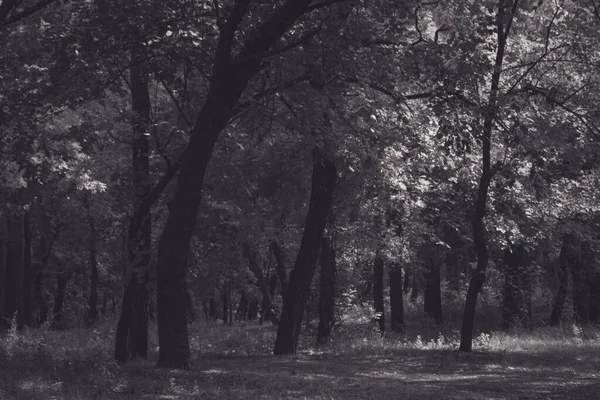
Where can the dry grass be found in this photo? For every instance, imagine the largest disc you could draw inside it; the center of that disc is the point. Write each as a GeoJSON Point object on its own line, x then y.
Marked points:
{"type": "Point", "coordinates": [235, 363]}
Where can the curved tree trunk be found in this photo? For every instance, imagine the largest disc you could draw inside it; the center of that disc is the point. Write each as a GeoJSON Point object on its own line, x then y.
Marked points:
{"type": "Point", "coordinates": [503, 24]}
{"type": "Point", "coordinates": [396, 300]}
{"type": "Point", "coordinates": [229, 77]}
{"type": "Point", "coordinates": [326, 290]}
{"type": "Point", "coordinates": [321, 198]}
{"type": "Point", "coordinates": [378, 303]}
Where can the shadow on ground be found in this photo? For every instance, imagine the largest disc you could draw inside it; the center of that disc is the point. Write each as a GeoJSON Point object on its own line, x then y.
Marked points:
{"type": "Point", "coordinates": [404, 374]}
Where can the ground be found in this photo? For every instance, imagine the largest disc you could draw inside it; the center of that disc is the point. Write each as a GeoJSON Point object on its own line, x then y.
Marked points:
{"type": "Point", "coordinates": [234, 363]}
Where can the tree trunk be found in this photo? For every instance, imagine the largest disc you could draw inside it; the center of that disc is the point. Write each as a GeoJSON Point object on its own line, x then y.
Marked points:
{"type": "Point", "coordinates": [378, 303]}
{"type": "Point", "coordinates": [406, 284]}
{"type": "Point", "coordinates": [28, 275]}
{"type": "Point", "coordinates": [396, 300]}
{"type": "Point", "coordinates": [263, 284]}
{"type": "Point", "coordinates": [326, 290]}
{"type": "Point", "coordinates": [432, 296]}
{"type": "Point", "coordinates": [3, 266]}
{"type": "Point", "coordinates": [503, 25]}
{"type": "Point", "coordinates": [321, 198]}
{"type": "Point", "coordinates": [15, 269]}
{"type": "Point", "coordinates": [595, 298]}
{"type": "Point", "coordinates": [212, 307]}
{"type": "Point", "coordinates": [581, 285]}
{"type": "Point", "coordinates": [568, 254]}
{"type": "Point", "coordinates": [414, 291]}
{"type": "Point", "coordinates": [229, 77]}
{"type": "Point", "coordinates": [132, 329]}
{"type": "Point", "coordinates": [59, 297]}
{"type": "Point", "coordinates": [280, 265]}
{"type": "Point", "coordinates": [516, 309]}
{"type": "Point", "coordinates": [42, 307]}
{"type": "Point", "coordinates": [225, 302]}
{"type": "Point", "coordinates": [92, 312]}
{"type": "Point", "coordinates": [253, 309]}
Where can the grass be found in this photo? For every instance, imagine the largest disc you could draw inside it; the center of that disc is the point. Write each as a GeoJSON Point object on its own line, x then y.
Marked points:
{"type": "Point", "coordinates": [235, 363]}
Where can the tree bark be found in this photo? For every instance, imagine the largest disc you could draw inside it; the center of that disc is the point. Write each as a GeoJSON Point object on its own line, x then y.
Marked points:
{"type": "Point", "coordinates": [280, 265]}
{"type": "Point", "coordinates": [581, 286]}
{"type": "Point", "coordinates": [3, 259]}
{"type": "Point", "coordinates": [326, 290]}
{"type": "Point", "coordinates": [396, 300]}
{"type": "Point", "coordinates": [229, 78]}
{"type": "Point", "coordinates": [92, 306]}
{"type": "Point", "coordinates": [321, 199]}
{"type": "Point", "coordinates": [28, 275]}
{"type": "Point", "coordinates": [378, 303]}
{"type": "Point", "coordinates": [568, 254]}
{"type": "Point", "coordinates": [225, 303]}
{"type": "Point", "coordinates": [263, 284]}
{"type": "Point", "coordinates": [432, 296]}
{"type": "Point", "coordinates": [132, 329]}
{"type": "Point", "coordinates": [504, 20]}
{"type": "Point", "coordinates": [59, 297]}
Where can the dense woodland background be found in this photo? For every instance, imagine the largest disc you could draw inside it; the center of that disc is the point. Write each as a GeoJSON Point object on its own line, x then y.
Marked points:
{"type": "Point", "coordinates": [314, 165]}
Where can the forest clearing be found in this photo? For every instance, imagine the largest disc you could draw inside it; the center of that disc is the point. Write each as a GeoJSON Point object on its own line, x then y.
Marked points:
{"type": "Point", "coordinates": [236, 363]}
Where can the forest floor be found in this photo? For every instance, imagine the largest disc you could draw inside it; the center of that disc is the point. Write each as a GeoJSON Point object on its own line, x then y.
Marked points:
{"type": "Point", "coordinates": [234, 363]}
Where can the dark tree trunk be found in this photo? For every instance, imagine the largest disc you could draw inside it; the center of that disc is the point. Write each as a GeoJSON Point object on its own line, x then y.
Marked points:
{"type": "Point", "coordinates": [28, 275]}
{"type": "Point", "coordinates": [321, 198]}
{"type": "Point", "coordinates": [59, 297]}
{"type": "Point", "coordinates": [581, 292]}
{"type": "Point", "coordinates": [241, 314]}
{"type": "Point", "coordinates": [414, 291]}
{"type": "Point", "coordinates": [92, 311]}
{"type": "Point", "coordinates": [516, 308]}
{"type": "Point", "coordinates": [432, 296]}
{"type": "Point", "coordinates": [47, 239]}
{"type": "Point", "coordinates": [15, 269]}
{"type": "Point", "coordinates": [225, 302]}
{"type": "Point", "coordinates": [104, 304]}
{"type": "Point", "coordinates": [326, 290]}
{"type": "Point", "coordinates": [132, 329]}
{"type": "Point", "coordinates": [595, 298]}
{"type": "Point", "coordinates": [396, 300]}
{"type": "Point", "coordinates": [406, 283]}
{"type": "Point", "coordinates": [378, 303]}
{"type": "Point", "coordinates": [38, 286]}
{"type": "Point", "coordinates": [267, 311]}
{"type": "Point", "coordinates": [253, 309]}
{"type": "Point", "coordinates": [212, 307]}
{"type": "Point", "coordinates": [504, 20]}
{"type": "Point", "coordinates": [569, 253]}
{"type": "Point", "coordinates": [3, 255]}
{"type": "Point", "coordinates": [273, 286]}
{"type": "Point", "coordinates": [280, 265]}
{"type": "Point", "coordinates": [229, 77]}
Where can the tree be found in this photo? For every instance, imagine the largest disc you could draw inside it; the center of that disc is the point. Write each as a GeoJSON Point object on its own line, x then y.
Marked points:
{"type": "Point", "coordinates": [396, 299]}
{"type": "Point", "coordinates": [229, 78]}
{"type": "Point", "coordinates": [378, 298]}
{"type": "Point", "coordinates": [323, 180]}
{"type": "Point", "coordinates": [326, 290]}
{"type": "Point", "coordinates": [504, 19]}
